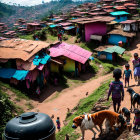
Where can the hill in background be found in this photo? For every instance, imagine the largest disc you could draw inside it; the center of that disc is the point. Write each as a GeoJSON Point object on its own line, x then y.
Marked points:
{"type": "Point", "coordinates": [10, 13]}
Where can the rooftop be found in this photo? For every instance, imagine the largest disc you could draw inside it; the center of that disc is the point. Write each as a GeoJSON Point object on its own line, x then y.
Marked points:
{"type": "Point", "coordinates": [20, 49]}
{"type": "Point", "coordinates": [73, 52]}
{"type": "Point", "coordinates": [118, 13]}
{"type": "Point", "coordinates": [121, 32]}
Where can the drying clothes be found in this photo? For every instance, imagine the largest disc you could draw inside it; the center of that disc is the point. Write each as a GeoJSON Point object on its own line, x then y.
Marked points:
{"type": "Point", "coordinates": [126, 27]}
{"type": "Point", "coordinates": [20, 74]}
{"type": "Point", "coordinates": [133, 27]}
{"type": "Point", "coordinates": [32, 75]}
{"type": "Point", "coordinates": [36, 60]}
{"type": "Point", "coordinates": [40, 80]}
{"type": "Point", "coordinates": [41, 59]}
{"type": "Point", "coordinates": [40, 67]}
{"type": "Point", "coordinates": [27, 83]}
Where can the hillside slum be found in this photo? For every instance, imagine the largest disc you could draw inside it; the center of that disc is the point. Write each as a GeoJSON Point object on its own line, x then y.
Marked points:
{"type": "Point", "coordinates": [32, 64]}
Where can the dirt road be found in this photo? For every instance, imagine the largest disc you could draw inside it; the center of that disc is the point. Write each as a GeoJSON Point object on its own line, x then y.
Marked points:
{"type": "Point", "coordinates": [70, 98]}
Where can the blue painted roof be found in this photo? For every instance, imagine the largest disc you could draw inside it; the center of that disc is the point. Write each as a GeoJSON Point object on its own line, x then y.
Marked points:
{"type": "Point", "coordinates": [118, 13]}
{"type": "Point", "coordinates": [53, 25]}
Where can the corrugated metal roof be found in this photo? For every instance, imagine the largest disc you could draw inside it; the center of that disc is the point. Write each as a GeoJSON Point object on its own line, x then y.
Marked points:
{"type": "Point", "coordinates": [128, 21]}
{"type": "Point", "coordinates": [20, 48]}
{"type": "Point", "coordinates": [118, 13]}
{"type": "Point", "coordinates": [73, 52]}
{"type": "Point", "coordinates": [121, 32]}
{"type": "Point", "coordinates": [115, 49]}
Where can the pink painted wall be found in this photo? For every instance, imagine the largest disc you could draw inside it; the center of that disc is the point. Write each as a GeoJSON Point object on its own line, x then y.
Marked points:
{"type": "Point", "coordinates": [95, 29]}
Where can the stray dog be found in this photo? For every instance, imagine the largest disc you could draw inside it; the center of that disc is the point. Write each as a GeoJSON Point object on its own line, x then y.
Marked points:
{"type": "Point", "coordinates": [124, 111]}
{"type": "Point", "coordinates": [135, 98]}
{"type": "Point", "coordinates": [90, 121]}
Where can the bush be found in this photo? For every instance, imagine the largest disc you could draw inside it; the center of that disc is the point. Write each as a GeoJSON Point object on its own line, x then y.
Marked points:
{"type": "Point", "coordinates": [7, 111]}
{"type": "Point", "coordinates": [41, 34]}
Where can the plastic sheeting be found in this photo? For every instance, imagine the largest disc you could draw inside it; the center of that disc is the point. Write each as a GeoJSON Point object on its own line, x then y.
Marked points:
{"type": "Point", "coordinates": [13, 73]}
{"type": "Point", "coordinates": [20, 74]}
{"type": "Point", "coordinates": [7, 73]}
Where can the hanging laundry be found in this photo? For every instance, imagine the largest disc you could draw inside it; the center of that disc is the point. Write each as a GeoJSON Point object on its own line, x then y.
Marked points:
{"type": "Point", "coordinates": [42, 58]}
{"type": "Point", "coordinates": [126, 27]}
{"type": "Point", "coordinates": [27, 83]}
{"type": "Point", "coordinates": [20, 74]}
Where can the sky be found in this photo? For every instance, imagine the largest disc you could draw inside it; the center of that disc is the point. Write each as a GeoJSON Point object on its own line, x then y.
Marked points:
{"type": "Point", "coordinates": [24, 2]}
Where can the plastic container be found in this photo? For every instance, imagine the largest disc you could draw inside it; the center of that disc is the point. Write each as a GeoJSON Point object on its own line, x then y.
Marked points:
{"type": "Point", "coordinates": [30, 126]}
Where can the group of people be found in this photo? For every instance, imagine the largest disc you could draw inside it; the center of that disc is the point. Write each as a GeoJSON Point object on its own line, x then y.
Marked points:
{"type": "Point", "coordinates": [116, 87]}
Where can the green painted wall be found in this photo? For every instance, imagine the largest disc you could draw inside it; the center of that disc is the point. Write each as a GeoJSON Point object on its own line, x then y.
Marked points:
{"type": "Point", "coordinates": [70, 65]}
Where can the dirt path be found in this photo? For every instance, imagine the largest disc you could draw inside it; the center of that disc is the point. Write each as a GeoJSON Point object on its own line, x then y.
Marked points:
{"type": "Point", "coordinates": [69, 99]}
{"type": "Point", "coordinates": [126, 103]}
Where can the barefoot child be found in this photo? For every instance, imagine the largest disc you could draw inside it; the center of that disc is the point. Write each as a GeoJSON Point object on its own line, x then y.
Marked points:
{"type": "Point", "coordinates": [127, 74]}
{"type": "Point", "coordinates": [136, 67]}
{"type": "Point", "coordinates": [58, 123]}
{"type": "Point", "coordinates": [117, 90]}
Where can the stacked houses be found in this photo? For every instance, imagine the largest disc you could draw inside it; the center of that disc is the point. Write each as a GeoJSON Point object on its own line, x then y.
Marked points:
{"type": "Point", "coordinates": [34, 64]}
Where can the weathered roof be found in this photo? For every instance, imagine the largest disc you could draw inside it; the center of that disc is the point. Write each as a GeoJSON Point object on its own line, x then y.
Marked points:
{"type": "Point", "coordinates": [115, 49]}
{"type": "Point", "coordinates": [107, 7]}
{"type": "Point", "coordinates": [65, 23]}
{"type": "Point", "coordinates": [20, 49]}
{"type": "Point", "coordinates": [120, 7]}
{"type": "Point", "coordinates": [33, 24]}
{"type": "Point", "coordinates": [109, 10]}
{"type": "Point", "coordinates": [97, 13]}
{"type": "Point", "coordinates": [132, 8]}
{"type": "Point", "coordinates": [101, 48]}
{"type": "Point", "coordinates": [118, 13]}
{"type": "Point", "coordinates": [121, 32]}
{"type": "Point", "coordinates": [130, 4]}
{"type": "Point", "coordinates": [128, 22]}
{"type": "Point", "coordinates": [98, 19]}
{"type": "Point", "coordinates": [73, 52]}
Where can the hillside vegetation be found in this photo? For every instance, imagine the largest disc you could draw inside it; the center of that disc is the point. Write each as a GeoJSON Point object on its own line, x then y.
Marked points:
{"type": "Point", "coordinates": [6, 10]}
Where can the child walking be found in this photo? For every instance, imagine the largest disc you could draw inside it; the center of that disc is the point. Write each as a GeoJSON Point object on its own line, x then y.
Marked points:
{"type": "Point", "coordinates": [127, 74]}
{"type": "Point", "coordinates": [58, 123]}
{"type": "Point", "coordinates": [136, 67]}
{"type": "Point", "coordinates": [117, 90]}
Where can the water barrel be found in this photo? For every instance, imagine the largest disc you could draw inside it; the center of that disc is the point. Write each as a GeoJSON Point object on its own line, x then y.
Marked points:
{"type": "Point", "coordinates": [30, 126]}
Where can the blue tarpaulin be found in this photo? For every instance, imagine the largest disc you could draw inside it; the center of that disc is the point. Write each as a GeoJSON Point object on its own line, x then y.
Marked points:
{"type": "Point", "coordinates": [20, 74]}
{"type": "Point", "coordinates": [13, 73]}
{"type": "Point", "coordinates": [7, 73]}
{"type": "Point", "coordinates": [41, 60]}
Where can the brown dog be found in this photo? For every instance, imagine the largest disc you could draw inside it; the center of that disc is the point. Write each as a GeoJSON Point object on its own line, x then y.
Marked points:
{"type": "Point", "coordinates": [90, 121]}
